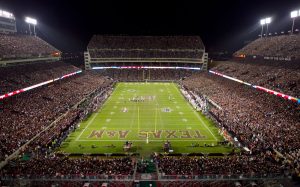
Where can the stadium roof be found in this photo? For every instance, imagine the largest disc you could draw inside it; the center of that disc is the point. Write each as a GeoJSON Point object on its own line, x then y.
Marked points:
{"type": "Point", "coordinates": [145, 42]}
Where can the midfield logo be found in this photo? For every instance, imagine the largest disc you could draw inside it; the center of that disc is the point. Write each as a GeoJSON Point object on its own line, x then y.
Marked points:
{"type": "Point", "coordinates": [143, 134]}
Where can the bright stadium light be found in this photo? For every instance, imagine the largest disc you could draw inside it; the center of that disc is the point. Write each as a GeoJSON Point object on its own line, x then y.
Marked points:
{"type": "Point", "coordinates": [268, 20]}
{"type": "Point", "coordinates": [294, 15]}
{"type": "Point", "coordinates": [265, 21]}
{"type": "Point", "coordinates": [262, 23]}
{"type": "Point", "coordinates": [33, 22]}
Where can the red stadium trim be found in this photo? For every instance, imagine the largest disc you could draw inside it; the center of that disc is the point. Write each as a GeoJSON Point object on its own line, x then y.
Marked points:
{"type": "Point", "coordinates": [272, 92]}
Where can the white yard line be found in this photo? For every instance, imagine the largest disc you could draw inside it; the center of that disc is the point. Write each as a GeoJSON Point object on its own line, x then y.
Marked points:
{"type": "Point", "coordinates": [198, 116]}
{"type": "Point", "coordinates": [138, 118]}
{"type": "Point", "coordinates": [133, 115]}
{"type": "Point", "coordinates": [96, 114]}
{"type": "Point", "coordinates": [86, 126]}
{"type": "Point", "coordinates": [204, 124]}
{"type": "Point", "coordinates": [162, 124]}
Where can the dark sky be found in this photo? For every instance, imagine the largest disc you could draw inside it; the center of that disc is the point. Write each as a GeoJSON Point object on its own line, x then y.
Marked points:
{"type": "Point", "coordinates": [222, 24]}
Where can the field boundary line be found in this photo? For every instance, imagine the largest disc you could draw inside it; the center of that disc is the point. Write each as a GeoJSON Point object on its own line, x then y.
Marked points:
{"type": "Point", "coordinates": [188, 103]}
{"type": "Point", "coordinates": [96, 114]}
{"type": "Point", "coordinates": [204, 124]}
{"type": "Point", "coordinates": [133, 115]}
{"type": "Point", "coordinates": [138, 115]}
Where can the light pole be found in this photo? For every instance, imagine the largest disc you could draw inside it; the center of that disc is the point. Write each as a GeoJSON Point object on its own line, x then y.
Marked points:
{"type": "Point", "coordinates": [294, 15]}
{"type": "Point", "coordinates": [268, 21]}
{"type": "Point", "coordinates": [265, 21]}
{"type": "Point", "coordinates": [33, 22]}
{"type": "Point", "coordinates": [262, 23]}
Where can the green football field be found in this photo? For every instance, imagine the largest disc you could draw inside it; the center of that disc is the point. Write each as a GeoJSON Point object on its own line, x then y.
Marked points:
{"type": "Point", "coordinates": [146, 114]}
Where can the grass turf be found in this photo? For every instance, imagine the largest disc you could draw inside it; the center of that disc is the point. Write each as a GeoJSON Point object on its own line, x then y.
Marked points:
{"type": "Point", "coordinates": [163, 115]}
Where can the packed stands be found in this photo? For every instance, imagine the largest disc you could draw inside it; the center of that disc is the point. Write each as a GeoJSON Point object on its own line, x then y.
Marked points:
{"type": "Point", "coordinates": [19, 46]}
{"type": "Point", "coordinates": [246, 165]}
{"type": "Point", "coordinates": [145, 54]}
{"type": "Point", "coordinates": [265, 117]}
{"type": "Point", "coordinates": [286, 46]}
{"type": "Point", "coordinates": [55, 166]}
{"type": "Point", "coordinates": [142, 75]}
{"type": "Point", "coordinates": [30, 113]}
{"type": "Point", "coordinates": [285, 80]}
{"type": "Point", "coordinates": [145, 42]}
{"type": "Point", "coordinates": [145, 49]}
{"type": "Point", "coordinates": [16, 77]}
{"type": "Point", "coordinates": [259, 121]}
{"type": "Point", "coordinates": [61, 128]}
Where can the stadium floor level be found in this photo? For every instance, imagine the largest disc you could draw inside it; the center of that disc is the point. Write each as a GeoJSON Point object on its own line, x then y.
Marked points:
{"type": "Point", "coordinates": [145, 116]}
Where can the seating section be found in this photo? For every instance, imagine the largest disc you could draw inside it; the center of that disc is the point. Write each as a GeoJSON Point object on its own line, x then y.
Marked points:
{"type": "Point", "coordinates": [16, 77]}
{"type": "Point", "coordinates": [16, 46]}
{"type": "Point", "coordinates": [193, 167]}
{"type": "Point", "coordinates": [282, 79]}
{"type": "Point", "coordinates": [265, 119]}
{"type": "Point", "coordinates": [145, 47]}
{"type": "Point", "coordinates": [142, 75]}
{"type": "Point", "coordinates": [55, 166]}
{"type": "Point", "coordinates": [276, 46]}
{"type": "Point", "coordinates": [25, 116]}
{"type": "Point", "coordinates": [145, 42]}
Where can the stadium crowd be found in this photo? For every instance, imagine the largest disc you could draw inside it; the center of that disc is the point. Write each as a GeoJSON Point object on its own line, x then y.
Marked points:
{"type": "Point", "coordinates": [274, 46]}
{"type": "Point", "coordinates": [144, 53]}
{"type": "Point", "coordinates": [54, 166]}
{"type": "Point", "coordinates": [294, 157]}
{"type": "Point", "coordinates": [259, 121]}
{"type": "Point", "coordinates": [13, 46]}
{"type": "Point", "coordinates": [267, 121]}
{"type": "Point", "coordinates": [56, 134]}
{"type": "Point", "coordinates": [145, 42]}
{"type": "Point", "coordinates": [30, 113]}
{"type": "Point", "coordinates": [282, 79]}
{"type": "Point", "coordinates": [16, 77]}
{"type": "Point", "coordinates": [246, 165]}
{"type": "Point", "coordinates": [145, 47]}
{"type": "Point", "coordinates": [141, 74]}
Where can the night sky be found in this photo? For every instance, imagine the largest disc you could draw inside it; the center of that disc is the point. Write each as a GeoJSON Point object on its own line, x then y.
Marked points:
{"type": "Point", "coordinates": [222, 24]}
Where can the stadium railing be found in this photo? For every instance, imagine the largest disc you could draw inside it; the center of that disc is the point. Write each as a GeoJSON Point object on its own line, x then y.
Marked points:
{"type": "Point", "coordinates": [91, 177]}
{"type": "Point", "coordinates": [75, 177]}
{"type": "Point", "coordinates": [220, 177]}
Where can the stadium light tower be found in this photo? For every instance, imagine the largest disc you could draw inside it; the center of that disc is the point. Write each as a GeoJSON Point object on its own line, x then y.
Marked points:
{"type": "Point", "coordinates": [262, 23]}
{"type": "Point", "coordinates": [33, 22]}
{"type": "Point", "coordinates": [294, 15]}
{"type": "Point", "coordinates": [265, 21]}
{"type": "Point", "coordinates": [268, 21]}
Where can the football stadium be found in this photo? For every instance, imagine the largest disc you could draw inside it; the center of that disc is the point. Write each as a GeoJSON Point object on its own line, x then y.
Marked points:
{"type": "Point", "coordinates": [148, 110]}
